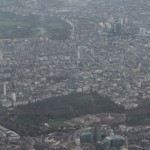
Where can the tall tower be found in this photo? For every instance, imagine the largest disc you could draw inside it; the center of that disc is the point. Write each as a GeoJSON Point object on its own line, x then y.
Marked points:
{"type": "Point", "coordinates": [142, 31]}
{"type": "Point", "coordinates": [120, 20]}
{"type": "Point", "coordinates": [4, 89]}
{"type": "Point", "coordinates": [78, 54]}
{"type": "Point", "coordinates": [97, 133]}
{"type": "Point", "coordinates": [126, 143]}
{"type": "Point", "coordinates": [118, 29]}
{"type": "Point", "coordinates": [126, 20]}
{"type": "Point", "coordinates": [13, 96]}
{"type": "Point", "coordinates": [1, 56]}
{"type": "Point", "coordinates": [92, 51]}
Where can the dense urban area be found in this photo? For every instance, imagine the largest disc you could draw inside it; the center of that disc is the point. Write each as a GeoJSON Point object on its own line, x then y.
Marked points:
{"type": "Point", "coordinates": [74, 75]}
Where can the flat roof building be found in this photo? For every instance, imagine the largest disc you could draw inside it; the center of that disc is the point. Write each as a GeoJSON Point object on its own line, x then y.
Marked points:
{"type": "Point", "coordinates": [113, 141]}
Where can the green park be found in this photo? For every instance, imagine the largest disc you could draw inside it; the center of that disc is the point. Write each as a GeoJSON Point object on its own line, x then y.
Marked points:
{"type": "Point", "coordinates": [13, 26]}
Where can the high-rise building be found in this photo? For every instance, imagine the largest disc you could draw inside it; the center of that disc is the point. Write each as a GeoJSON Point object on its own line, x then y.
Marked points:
{"type": "Point", "coordinates": [78, 54]}
{"type": "Point", "coordinates": [126, 20]}
{"type": "Point", "coordinates": [126, 143]}
{"type": "Point", "coordinates": [1, 89]}
{"type": "Point", "coordinates": [86, 137]}
{"type": "Point", "coordinates": [118, 29]}
{"type": "Point", "coordinates": [1, 56]}
{"type": "Point", "coordinates": [142, 31]}
{"type": "Point", "coordinates": [120, 20]}
{"type": "Point", "coordinates": [13, 97]}
{"type": "Point", "coordinates": [4, 89]}
{"type": "Point", "coordinates": [97, 133]}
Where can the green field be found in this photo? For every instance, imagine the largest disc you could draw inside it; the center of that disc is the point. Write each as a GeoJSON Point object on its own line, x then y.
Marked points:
{"type": "Point", "coordinates": [16, 26]}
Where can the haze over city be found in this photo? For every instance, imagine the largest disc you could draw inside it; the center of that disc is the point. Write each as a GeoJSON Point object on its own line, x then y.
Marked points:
{"type": "Point", "coordinates": [74, 75]}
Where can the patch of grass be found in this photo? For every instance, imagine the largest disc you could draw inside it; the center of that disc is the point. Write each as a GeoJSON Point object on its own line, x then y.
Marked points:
{"type": "Point", "coordinates": [57, 124]}
{"type": "Point", "coordinates": [85, 98]}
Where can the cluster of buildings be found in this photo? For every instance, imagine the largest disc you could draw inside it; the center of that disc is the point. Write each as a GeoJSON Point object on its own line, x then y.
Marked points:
{"type": "Point", "coordinates": [8, 138]}
{"type": "Point", "coordinates": [97, 136]}
{"type": "Point", "coordinates": [91, 134]}
{"type": "Point", "coordinates": [107, 52]}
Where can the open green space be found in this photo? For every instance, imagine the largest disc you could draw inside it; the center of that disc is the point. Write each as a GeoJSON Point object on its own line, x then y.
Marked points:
{"type": "Point", "coordinates": [16, 26]}
{"type": "Point", "coordinates": [56, 124]}
{"type": "Point", "coordinates": [30, 119]}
